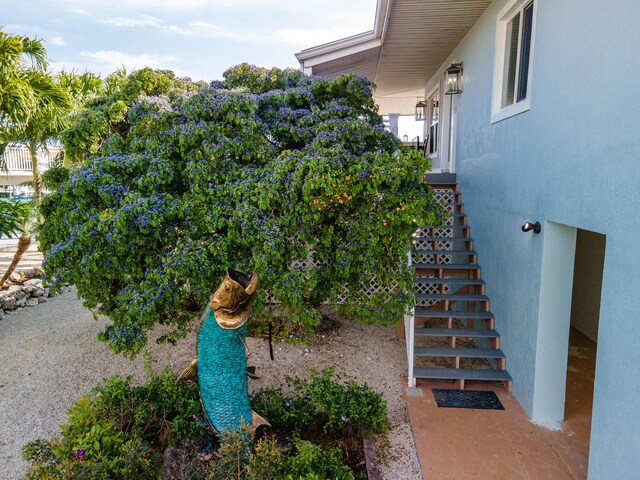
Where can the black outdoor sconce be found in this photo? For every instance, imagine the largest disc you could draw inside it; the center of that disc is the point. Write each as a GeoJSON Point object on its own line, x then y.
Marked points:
{"type": "Point", "coordinates": [421, 110]}
{"type": "Point", "coordinates": [454, 79]}
{"type": "Point", "coordinates": [528, 226]}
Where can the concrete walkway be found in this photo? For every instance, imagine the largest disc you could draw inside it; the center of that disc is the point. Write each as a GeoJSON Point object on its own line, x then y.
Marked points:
{"type": "Point", "coordinates": [463, 444]}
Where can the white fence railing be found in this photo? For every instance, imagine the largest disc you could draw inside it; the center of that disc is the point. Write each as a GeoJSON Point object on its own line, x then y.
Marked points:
{"type": "Point", "coordinates": [18, 159]}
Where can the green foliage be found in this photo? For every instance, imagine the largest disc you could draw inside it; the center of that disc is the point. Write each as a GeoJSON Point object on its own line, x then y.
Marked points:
{"type": "Point", "coordinates": [25, 87]}
{"type": "Point", "coordinates": [10, 223]}
{"type": "Point", "coordinates": [313, 462]}
{"type": "Point", "coordinates": [105, 114]}
{"type": "Point", "coordinates": [118, 430]}
{"type": "Point", "coordinates": [235, 459]}
{"type": "Point", "coordinates": [323, 402]}
{"type": "Point", "coordinates": [53, 178]}
{"type": "Point", "coordinates": [266, 171]}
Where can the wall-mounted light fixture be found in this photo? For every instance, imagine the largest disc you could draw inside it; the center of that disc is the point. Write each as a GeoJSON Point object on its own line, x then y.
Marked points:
{"type": "Point", "coordinates": [454, 79]}
{"type": "Point", "coordinates": [528, 226]}
{"type": "Point", "coordinates": [421, 110]}
{"type": "Point", "coordinates": [405, 138]}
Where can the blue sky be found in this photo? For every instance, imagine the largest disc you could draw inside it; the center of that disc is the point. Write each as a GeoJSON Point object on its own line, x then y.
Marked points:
{"type": "Point", "coordinates": [195, 38]}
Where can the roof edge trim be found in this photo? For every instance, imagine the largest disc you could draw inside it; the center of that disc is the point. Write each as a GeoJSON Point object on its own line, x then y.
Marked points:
{"type": "Point", "coordinates": [349, 45]}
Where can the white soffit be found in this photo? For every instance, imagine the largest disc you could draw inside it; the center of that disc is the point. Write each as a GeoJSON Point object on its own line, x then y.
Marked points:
{"type": "Point", "coordinates": [403, 103]}
{"type": "Point", "coordinates": [410, 41]}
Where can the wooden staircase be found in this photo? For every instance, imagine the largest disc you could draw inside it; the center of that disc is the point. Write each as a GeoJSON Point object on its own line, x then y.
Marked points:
{"type": "Point", "coordinates": [451, 334]}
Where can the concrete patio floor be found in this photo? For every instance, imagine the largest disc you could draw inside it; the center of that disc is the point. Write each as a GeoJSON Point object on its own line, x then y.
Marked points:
{"type": "Point", "coordinates": [460, 444]}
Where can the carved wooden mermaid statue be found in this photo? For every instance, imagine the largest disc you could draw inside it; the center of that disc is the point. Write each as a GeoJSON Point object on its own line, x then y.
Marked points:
{"type": "Point", "coordinates": [220, 366]}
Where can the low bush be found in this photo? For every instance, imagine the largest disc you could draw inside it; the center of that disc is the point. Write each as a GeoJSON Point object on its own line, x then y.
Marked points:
{"type": "Point", "coordinates": [323, 402]}
{"type": "Point", "coordinates": [118, 430]}
{"type": "Point", "coordinates": [121, 431]}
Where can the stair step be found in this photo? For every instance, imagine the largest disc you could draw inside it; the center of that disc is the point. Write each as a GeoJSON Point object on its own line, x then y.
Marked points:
{"type": "Point", "coordinates": [459, 352]}
{"type": "Point", "coordinates": [451, 227]}
{"type": "Point", "coordinates": [449, 280]}
{"type": "Point", "coordinates": [446, 266]}
{"type": "Point", "coordinates": [456, 332]}
{"type": "Point", "coordinates": [453, 296]}
{"type": "Point", "coordinates": [448, 179]}
{"type": "Point", "coordinates": [423, 312]}
{"type": "Point", "coordinates": [462, 374]}
{"type": "Point", "coordinates": [445, 252]}
{"type": "Point", "coordinates": [441, 239]}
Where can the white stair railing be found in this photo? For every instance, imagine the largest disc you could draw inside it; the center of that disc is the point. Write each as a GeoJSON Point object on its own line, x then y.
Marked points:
{"type": "Point", "coordinates": [409, 336]}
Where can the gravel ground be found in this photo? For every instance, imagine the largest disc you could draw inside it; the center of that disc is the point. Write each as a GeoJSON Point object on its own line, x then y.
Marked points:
{"type": "Point", "coordinates": [49, 357]}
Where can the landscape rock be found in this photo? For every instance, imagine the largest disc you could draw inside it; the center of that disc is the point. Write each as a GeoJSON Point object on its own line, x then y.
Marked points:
{"type": "Point", "coordinates": [29, 294]}
{"type": "Point", "coordinates": [38, 292]}
{"type": "Point", "coordinates": [31, 302]}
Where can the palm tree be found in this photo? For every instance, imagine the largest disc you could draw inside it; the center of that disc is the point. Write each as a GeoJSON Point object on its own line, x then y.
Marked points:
{"type": "Point", "coordinates": [24, 215]}
{"type": "Point", "coordinates": [34, 105]}
{"type": "Point", "coordinates": [44, 124]}
{"type": "Point", "coordinates": [24, 83]}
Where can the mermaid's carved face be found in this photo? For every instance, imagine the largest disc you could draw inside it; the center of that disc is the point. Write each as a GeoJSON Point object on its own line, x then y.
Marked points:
{"type": "Point", "coordinates": [232, 301]}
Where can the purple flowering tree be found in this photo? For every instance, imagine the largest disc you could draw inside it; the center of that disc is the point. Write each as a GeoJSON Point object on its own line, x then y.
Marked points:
{"type": "Point", "coordinates": [269, 170]}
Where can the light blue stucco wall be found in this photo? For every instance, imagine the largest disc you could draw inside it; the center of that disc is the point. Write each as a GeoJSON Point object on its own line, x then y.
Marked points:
{"type": "Point", "coordinates": [573, 159]}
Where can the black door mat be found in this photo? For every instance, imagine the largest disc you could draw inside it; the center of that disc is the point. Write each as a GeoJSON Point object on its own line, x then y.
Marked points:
{"type": "Point", "coordinates": [480, 399]}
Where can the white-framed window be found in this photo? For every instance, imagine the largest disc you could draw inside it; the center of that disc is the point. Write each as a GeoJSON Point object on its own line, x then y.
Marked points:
{"type": "Point", "coordinates": [433, 123]}
{"type": "Point", "coordinates": [515, 34]}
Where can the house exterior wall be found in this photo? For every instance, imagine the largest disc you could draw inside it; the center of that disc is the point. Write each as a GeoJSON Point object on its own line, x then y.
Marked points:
{"type": "Point", "coordinates": [572, 159]}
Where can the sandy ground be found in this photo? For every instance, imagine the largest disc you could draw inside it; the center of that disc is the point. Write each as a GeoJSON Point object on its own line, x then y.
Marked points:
{"type": "Point", "coordinates": [49, 357]}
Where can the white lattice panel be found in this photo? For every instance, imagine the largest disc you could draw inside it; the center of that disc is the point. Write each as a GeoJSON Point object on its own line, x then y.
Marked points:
{"type": "Point", "coordinates": [445, 198]}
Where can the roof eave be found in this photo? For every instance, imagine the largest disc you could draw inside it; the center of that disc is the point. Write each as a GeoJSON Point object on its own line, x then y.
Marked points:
{"type": "Point", "coordinates": [349, 45]}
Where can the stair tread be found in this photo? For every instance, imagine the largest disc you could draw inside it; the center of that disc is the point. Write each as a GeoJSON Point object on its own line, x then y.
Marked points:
{"type": "Point", "coordinates": [441, 239]}
{"type": "Point", "coordinates": [447, 266]}
{"type": "Point", "coordinates": [450, 280]}
{"type": "Point", "coordinates": [445, 252]}
{"type": "Point", "coordinates": [462, 374]}
{"type": "Point", "coordinates": [459, 352]}
{"type": "Point", "coordinates": [453, 296]}
{"type": "Point", "coordinates": [456, 332]}
{"type": "Point", "coordinates": [423, 312]}
{"type": "Point", "coordinates": [452, 227]}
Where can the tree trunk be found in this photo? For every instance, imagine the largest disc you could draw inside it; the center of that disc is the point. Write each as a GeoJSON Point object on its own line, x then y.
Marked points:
{"type": "Point", "coordinates": [35, 168]}
{"type": "Point", "coordinates": [23, 245]}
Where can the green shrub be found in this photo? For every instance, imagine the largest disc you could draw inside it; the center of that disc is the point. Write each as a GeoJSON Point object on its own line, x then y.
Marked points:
{"type": "Point", "coordinates": [313, 462]}
{"type": "Point", "coordinates": [268, 460]}
{"type": "Point", "coordinates": [118, 430]}
{"type": "Point", "coordinates": [323, 402]}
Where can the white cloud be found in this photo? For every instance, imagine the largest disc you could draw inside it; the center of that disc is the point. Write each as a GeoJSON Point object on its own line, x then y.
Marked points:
{"type": "Point", "coordinates": [80, 6]}
{"type": "Point", "coordinates": [78, 11]}
{"type": "Point", "coordinates": [58, 41]}
{"type": "Point", "coordinates": [313, 36]}
{"type": "Point", "coordinates": [144, 21]}
{"type": "Point", "coordinates": [131, 22]}
{"type": "Point", "coordinates": [107, 61]}
{"type": "Point", "coordinates": [205, 29]}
